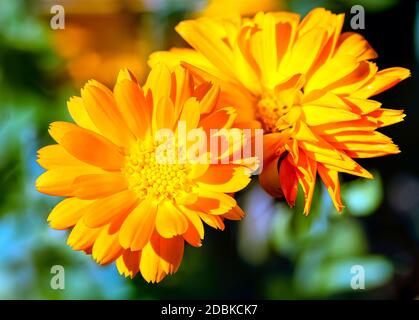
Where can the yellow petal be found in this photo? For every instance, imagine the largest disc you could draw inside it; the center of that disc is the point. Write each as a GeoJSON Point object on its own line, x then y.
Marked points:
{"type": "Point", "coordinates": [161, 258]}
{"type": "Point", "coordinates": [194, 220]}
{"type": "Point", "coordinates": [331, 180]}
{"type": "Point", "coordinates": [133, 107]}
{"type": "Point", "coordinates": [383, 80]}
{"type": "Point", "coordinates": [163, 115]}
{"type": "Point", "coordinates": [159, 82]}
{"type": "Point", "coordinates": [213, 202]}
{"type": "Point", "coordinates": [215, 222]}
{"type": "Point", "coordinates": [82, 237]}
{"type": "Point", "coordinates": [190, 114]}
{"type": "Point", "coordinates": [67, 213]}
{"type": "Point", "coordinates": [79, 114]}
{"type": "Point", "coordinates": [304, 52]}
{"type": "Point", "coordinates": [88, 146]}
{"type": "Point", "coordinates": [354, 44]}
{"type": "Point", "coordinates": [333, 70]}
{"type": "Point", "coordinates": [170, 221]}
{"type": "Point", "coordinates": [94, 186]}
{"type": "Point", "coordinates": [102, 211]}
{"type": "Point", "coordinates": [106, 247]}
{"type": "Point", "coordinates": [210, 44]}
{"type": "Point", "coordinates": [222, 118]}
{"type": "Point", "coordinates": [138, 226]}
{"type": "Point", "coordinates": [58, 181]}
{"type": "Point", "coordinates": [103, 111]}
{"type": "Point", "coordinates": [128, 263]}
{"type": "Point", "coordinates": [225, 178]}
{"type": "Point", "coordinates": [316, 115]}
{"type": "Point", "coordinates": [55, 156]}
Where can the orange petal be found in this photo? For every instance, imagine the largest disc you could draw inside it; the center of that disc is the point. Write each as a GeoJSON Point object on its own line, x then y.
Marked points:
{"type": "Point", "coordinates": [163, 115]}
{"type": "Point", "coordinates": [138, 226]}
{"type": "Point", "coordinates": [161, 257]}
{"type": "Point", "coordinates": [387, 117]}
{"type": "Point", "coordinates": [102, 211]}
{"type": "Point", "coordinates": [212, 202]}
{"type": "Point", "coordinates": [88, 146]}
{"type": "Point", "coordinates": [159, 81]}
{"type": "Point", "coordinates": [106, 247]}
{"type": "Point", "coordinates": [93, 186]}
{"type": "Point", "coordinates": [67, 213]}
{"type": "Point", "coordinates": [288, 180]}
{"type": "Point", "coordinates": [190, 114]}
{"type": "Point", "coordinates": [133, 107]}
{"type": "Point", "coordinates": [192, 236]}
{"type": "Point", "coordinates": [307, 172]}
{"type": "Point", "coordinates": [213, 221]}
{"type": "Point", "coordinates": [234, 214]}
{"type": "Point", "coordinates": [58, 181]}
{"type": "Point", "coordinates": [382, 81]}
{"type": "Point", "coordinates": [225, 178]}
{"type": "Point", "coordinates": [170, 221]}
{"type": "Point", "coordinates": [128, 263]}
{"type": "Point", "coordinates": [354, 44]}
{"type": "Point", "coordinates": [79, 114]}
{"type": "Point", "coordinates": [222, 118]}
{"type": "Point", "coordinates": [55, 156]}
{"type": "Point", "coordinates": [182, 88]}
{"type": "Point", "coordinates": [269, 179]}
{"type": "Point", "coordinates": [194, 220]}
{"type": "Point", "coordinates": [103, 111]}
{"type": "Point", "coordinates": [209, 98]}
{"type": "Point", "coordinates": [316, 115]}
{"type": "Point", "coordinates": [82, 237]}
{"type": "Point", "coordinates": [331, 180]}
{"type": "Point", "coordinates": [211, 45]}
{"type": "Point", "coordinates": [330, 72]}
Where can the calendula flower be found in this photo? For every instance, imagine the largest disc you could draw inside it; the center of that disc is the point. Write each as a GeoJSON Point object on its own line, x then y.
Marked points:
{"type": "Point", "coordinates": [122, 201]}
{"type": "Point", "coordinates": [310, 87]}
{"type": "Point", "coordinates": [101, 44]}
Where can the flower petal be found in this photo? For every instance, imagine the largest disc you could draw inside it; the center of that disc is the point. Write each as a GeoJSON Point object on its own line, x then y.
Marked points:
{"type": "Point", "coordinates": [170, 220]}
{"type": "Point", "coordinates": [102, 211]}
{"type": "Point", "coordinates": [137, 228]}
{"type": "Point", "coordinates": [93, 186]}
{"type": "Point", "coordinates": [87, 146]}
{"type": "Point", "coordinates": [66, 213]}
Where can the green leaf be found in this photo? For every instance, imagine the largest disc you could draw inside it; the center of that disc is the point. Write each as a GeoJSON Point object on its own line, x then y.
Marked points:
{"type": "Point", "coordinates": [362, 197]}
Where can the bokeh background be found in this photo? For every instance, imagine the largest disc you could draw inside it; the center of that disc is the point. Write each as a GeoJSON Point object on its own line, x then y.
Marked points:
{"type": "Point", "coordinates": [275, 252]}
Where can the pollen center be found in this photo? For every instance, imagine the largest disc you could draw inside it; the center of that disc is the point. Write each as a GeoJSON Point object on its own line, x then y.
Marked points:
{"type": "Point", "coordinates": [269, 111]}
{"type": "Point", "coordinates": [151, 175]}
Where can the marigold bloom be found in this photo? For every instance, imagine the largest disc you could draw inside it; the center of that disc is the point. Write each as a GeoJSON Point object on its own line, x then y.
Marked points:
{"type": "Point", "coordinates": [310, 87]}
{"type": "Point", "coordinates": [121, 203]}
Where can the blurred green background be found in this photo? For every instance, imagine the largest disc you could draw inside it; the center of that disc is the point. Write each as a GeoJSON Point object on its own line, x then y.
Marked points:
{"type": "Point", "coordinates": [275, 252]}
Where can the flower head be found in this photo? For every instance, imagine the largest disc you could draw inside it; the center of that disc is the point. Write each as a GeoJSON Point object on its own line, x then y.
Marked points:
{"type": "Point", "coordinates": [309, 86]}
{"type": "Point", "coordinates": [123, 202]}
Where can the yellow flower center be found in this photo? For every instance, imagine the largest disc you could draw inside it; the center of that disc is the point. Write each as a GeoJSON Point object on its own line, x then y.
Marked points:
{"type": "Point", "coordinates": [269, 111]}
{"type": "Point", "coordinates": [150, 175]}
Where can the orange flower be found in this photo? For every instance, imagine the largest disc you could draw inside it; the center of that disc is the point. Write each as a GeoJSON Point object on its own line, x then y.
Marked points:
{"type": "Point", "coordinates": [310, 87]}
{"type": "Point", "coordinates": [99, 45]}
{"type": "Point", "coordinates": [123, 203]}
